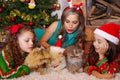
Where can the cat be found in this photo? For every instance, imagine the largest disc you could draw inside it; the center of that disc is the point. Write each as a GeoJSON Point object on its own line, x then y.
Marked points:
{"type": "Point", "coordinates": [38, 59]}
{"type": "Point", "coordinates": [74, 58]}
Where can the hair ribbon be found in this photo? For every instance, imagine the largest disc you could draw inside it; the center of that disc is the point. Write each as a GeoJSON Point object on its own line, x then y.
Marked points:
{"type": "Point", "coordinates": [77, 6]}
{"type": "Point", "coordinates": [14, 28]}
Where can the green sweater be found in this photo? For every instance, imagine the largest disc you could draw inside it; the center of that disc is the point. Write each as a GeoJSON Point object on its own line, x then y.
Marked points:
{"type": "Point", "coordinates": [71, 38]}
{"type": "Point", "coordinates": [7, 69]}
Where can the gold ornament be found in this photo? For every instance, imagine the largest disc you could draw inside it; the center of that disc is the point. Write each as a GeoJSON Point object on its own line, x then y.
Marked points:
{"type": "Point", "coordinates": [12, 0]}
{"type": "Point", "coordinates": [58, 6]}
{"type": "Point", "coordinates": [3, 5]}
{"type": "Point", "coordinates": [22, 0]}
{"type": "Point", "coordinates": [3, 33]}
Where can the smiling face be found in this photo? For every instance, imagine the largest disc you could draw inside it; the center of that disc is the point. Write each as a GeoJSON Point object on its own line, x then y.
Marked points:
{"type": "Point", "coordinates": [101, 45]}
{"type": "Point", "coordinates": [71, 23]}
{"type": "Point", "coordinates": [25, 41]}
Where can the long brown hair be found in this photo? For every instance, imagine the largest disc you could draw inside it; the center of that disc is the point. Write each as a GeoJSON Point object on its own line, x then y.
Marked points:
{"type": "Point", "coordinates": [81, 29]}
{"type": "Point", "coordinates": [111, 54]}
{"type": "Point", "coordinates": [13, 46]}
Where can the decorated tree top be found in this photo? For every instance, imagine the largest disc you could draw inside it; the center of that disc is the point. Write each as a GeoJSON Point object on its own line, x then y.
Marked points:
{"type": "Point", "coordinates": [35, 13]}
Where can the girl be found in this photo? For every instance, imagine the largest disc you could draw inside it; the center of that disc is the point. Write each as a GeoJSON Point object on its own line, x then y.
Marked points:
{"type": "Point", "coordinates": [19, 44]}
{"type": "Point", "coordinates": [71, 27]}
{"type": "Point", "coordinates": [102, 59]}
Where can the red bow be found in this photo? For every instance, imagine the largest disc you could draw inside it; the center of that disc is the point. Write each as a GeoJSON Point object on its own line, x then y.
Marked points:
{"type": "Point", "coordinates": [77, 6]}
{"type": "Point", "coordinates": [78, 9]}
{"type": "Point", "coordinates": [14, 28]}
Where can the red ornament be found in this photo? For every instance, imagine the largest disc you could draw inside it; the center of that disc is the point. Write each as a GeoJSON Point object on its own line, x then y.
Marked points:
{"type": "Point", "coordinates": [54, 7]}
{"type": "Point", "coordinates": [27, 1]}
{"type": "Point", "coordinates": [1, 9]}
{"type": "Point", "coordinates": [12, 19]}
{"type": "Point", "coordinates": [31, 23]}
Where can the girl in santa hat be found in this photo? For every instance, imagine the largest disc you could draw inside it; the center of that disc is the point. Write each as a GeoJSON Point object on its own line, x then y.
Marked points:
{"type": "Point", "coordinates": [102, 61]}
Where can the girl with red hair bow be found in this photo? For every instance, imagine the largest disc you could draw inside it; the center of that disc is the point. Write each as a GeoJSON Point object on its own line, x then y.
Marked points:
{"type": "Point", "coordinates": [19, 43]}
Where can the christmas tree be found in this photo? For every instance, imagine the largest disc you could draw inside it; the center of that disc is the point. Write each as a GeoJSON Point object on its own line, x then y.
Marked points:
{"type": "Point", "coordinates": [35, 13]}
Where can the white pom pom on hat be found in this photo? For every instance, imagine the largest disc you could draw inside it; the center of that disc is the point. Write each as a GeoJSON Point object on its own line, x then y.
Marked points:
{"type": "Point", "coordinates": [59, 42]}
{"type": "Point", "coordinates": [110, 31]}
{"type": "Point", "coordinates": [60, 36]}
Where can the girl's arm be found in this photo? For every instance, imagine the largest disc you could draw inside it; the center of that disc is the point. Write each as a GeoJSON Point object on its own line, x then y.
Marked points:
{"type": "Point", "coordinates": [7, 72]}
{"type": "Point", "coordinates": [99, 75]}
{"type": "Point", "coordinates": [93, 70]}
{"type": "Point", "coordinates": [49, 32]}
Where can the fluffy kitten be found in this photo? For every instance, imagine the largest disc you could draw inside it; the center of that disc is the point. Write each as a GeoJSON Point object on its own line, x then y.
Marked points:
{"type": "Point", "coordinates": [74, 58]}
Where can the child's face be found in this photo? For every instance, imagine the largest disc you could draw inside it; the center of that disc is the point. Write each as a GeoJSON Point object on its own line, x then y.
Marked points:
{"type": "Point", "coordinates": [71, 23]}
{"type": "Point", "coordinates": [25, 41]}
{"type": "Point", "coordinates": [101, 45]}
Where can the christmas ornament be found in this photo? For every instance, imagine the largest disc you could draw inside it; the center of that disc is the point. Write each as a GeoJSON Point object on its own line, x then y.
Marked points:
{"type": "Point", "coordinates": [1, 9]}
{"type": "Point", "coordinates": [32, 4]}
{"type": "Point", "coordinates": [31, 23]}
{"type": "Point", "coordinates": [3, 5]}
{"type": "Point", "coordinates": [12, 19]}
{"type": "Point", "coordinates": [3, 36]}
{"type": "Point", "coordinates": [59, 43]}
{"type": "Point", "coordinates": [54, 7]}
{"type": "Point", "coordinates": [12, 0]}
{"type": "Point", "coordinates": [27, 1]}
{"type": "Point", "coordinates": [22, 0]}
{"type": "Point", "coordinates": [58, 6]}
{"type": "Point", "coordinates": [63, 5]}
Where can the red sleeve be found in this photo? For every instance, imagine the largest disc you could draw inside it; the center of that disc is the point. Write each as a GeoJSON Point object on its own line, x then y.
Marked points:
{"type": "Point", "coordinates": [114, 67]}
{"type": "Point", "coordinates": [89, 69]}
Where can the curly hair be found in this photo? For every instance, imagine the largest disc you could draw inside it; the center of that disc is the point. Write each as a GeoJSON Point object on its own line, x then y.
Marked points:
{"type": "Point", "coordinates": [81, 29]}
{"type": "Point", "coordinates": [13, 45]}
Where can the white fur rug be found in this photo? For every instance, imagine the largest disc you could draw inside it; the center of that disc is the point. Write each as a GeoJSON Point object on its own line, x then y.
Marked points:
{"type": "Point", "coordinates": [63, 75]}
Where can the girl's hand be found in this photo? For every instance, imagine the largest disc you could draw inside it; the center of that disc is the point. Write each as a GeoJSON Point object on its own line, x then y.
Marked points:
{"type": "Point", "coordinates": [104, 48]}
{"type": "Point", "coordinates": [108, 75]}
{"type": "Point", "coordinates": [102, 76]}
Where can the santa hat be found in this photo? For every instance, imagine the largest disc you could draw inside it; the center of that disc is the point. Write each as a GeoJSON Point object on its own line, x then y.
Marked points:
{"type": "Point", "coordinates": [59, 43]}
{"type": "Point", "coordinates": [110, 31]}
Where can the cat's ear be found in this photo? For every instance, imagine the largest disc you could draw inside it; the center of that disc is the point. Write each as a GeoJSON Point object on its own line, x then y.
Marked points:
{"type": "Point", "coordinates": [65, 53]}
